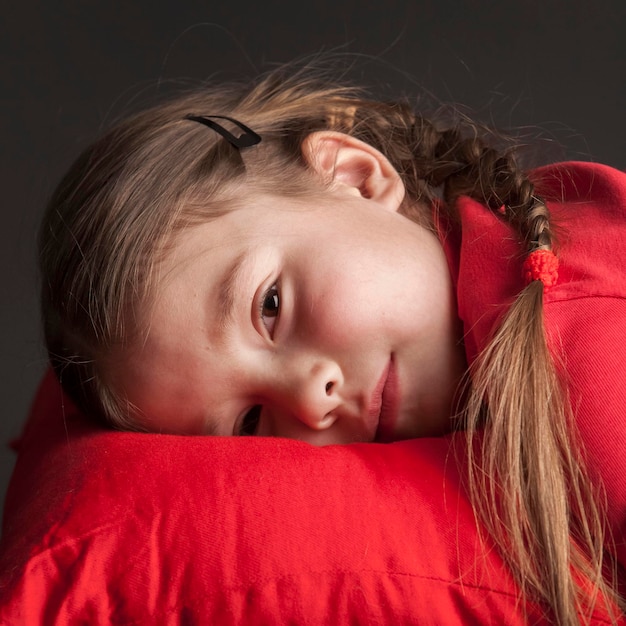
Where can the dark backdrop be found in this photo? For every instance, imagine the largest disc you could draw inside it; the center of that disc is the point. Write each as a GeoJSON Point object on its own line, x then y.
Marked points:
{"type": "Point", "coordinates": [69, 67]}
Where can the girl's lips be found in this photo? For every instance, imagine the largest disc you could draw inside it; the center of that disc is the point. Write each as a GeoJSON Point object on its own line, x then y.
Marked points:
{"type": "Point", "coordinates": [385, 401]}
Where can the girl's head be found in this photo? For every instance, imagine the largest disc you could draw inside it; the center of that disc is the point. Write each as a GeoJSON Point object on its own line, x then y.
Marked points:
{"type": "Point", "coordinates": [121, 231]}
{"type": "Point", "coordinates": [188, 283]}
{"type": "Point", "coordinates": [302, 316]}
{"type": "Point", "coordinates": [189, 286]}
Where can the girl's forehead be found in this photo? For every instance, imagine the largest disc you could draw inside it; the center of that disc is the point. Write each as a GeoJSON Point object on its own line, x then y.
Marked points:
{"type": "Point", "coordinates": [255, 220]}
{"type": "Point", "coordinates": [255, 215]}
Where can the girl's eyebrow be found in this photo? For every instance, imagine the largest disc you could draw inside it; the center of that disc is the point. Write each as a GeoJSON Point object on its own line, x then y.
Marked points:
{"type": "Point", "coordinates": [227, 291]}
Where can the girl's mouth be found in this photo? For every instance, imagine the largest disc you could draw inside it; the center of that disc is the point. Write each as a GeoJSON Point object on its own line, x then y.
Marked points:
{"type": "Point", "coordinates": [385, 402]}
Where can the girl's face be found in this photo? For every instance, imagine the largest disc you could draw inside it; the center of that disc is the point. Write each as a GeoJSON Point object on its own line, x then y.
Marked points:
{"type": "Point", "coordinates": [330, 320]}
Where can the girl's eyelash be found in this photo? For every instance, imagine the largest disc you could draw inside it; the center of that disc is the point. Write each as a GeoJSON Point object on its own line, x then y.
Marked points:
{"type": "Point", "coordinates": [268, 311]}
{"type": "Point", "coordinates": [269, 308]}
{"type": "Point", "coordinates": [250, 422]}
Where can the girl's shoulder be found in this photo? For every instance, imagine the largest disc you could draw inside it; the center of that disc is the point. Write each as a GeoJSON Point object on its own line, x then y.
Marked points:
{"type": "Point", "coordinates": [591, 190]}
{"type": "Point", "coordinates": [587, 202]}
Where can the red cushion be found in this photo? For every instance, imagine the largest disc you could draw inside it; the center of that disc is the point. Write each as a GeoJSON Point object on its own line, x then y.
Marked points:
{"type": "Point", "coordinates": [105, 527]}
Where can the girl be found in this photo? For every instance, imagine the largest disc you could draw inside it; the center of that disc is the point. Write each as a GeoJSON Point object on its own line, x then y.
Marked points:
{"type": "Point", "coordinates": [294, 258]}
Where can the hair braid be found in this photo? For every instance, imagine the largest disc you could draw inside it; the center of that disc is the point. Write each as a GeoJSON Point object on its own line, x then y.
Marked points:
{"type": "Point", "coordinates": [527, 481]}
{"type": "Point", "coordinates": [536, 228]}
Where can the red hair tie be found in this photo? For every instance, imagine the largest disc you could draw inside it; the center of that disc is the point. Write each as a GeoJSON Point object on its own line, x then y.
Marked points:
{"type": "Point", "coordinates": [541, 265]}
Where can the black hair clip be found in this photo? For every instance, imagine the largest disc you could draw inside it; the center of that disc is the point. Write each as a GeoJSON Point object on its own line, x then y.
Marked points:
{"type": "Point", "coordinates": [245, 140]}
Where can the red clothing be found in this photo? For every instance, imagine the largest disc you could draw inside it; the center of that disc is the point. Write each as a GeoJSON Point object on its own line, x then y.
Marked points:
{"type": "Point", "coordinates": [103, 527]}
{"type": "Point", "coordinates": [585, 312]}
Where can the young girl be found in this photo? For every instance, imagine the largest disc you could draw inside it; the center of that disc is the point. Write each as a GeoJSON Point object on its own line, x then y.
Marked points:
{"type": "Point", "coordinates": [292, 258]}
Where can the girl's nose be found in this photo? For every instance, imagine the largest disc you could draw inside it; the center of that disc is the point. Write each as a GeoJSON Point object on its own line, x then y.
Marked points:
{"type": "Point", "coordinates": [309, 392]}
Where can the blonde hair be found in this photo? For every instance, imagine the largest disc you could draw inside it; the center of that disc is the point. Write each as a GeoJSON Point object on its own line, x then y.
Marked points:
{"type": "Point", "coordinates": [127, 197]}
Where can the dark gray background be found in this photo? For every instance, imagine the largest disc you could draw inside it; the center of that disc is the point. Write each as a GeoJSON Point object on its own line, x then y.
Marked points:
{"type": "Point", "coordinates": [69, 67]}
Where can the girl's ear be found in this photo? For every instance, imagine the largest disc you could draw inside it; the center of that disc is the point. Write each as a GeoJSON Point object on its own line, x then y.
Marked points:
{"type": "Point", "coordinates": [355, 165]}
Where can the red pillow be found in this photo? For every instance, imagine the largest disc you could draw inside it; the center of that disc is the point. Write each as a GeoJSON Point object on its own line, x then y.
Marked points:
{"type": "Point", "coordinates": [103, 527]}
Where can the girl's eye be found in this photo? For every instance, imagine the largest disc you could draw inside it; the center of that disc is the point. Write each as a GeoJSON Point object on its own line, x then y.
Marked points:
{"type": "Point", "coordinates": [250, 422]}
{"type": "Point", "coordinates": [269, 308]}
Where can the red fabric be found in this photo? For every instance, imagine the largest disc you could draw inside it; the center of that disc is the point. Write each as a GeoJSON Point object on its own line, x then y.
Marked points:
{"type": "Point", "coordinates": [120, 528]}
{"type": "Point", "coordinates": [585, 312]}
{"type": "Point", "coordinates": [103, 527]}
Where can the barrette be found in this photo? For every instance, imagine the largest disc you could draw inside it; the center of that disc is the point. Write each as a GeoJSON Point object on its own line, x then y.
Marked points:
{"type": "Point", "coordinates": [245, 140]}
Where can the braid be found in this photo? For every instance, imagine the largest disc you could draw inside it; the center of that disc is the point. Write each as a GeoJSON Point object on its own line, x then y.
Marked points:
{"type": "Point", "coordinates": [536, 227]}
{"type": "Point", "coordinates": [527, 481]}
{"type": "Point", "coordinates": [526, 478]}
{"type": "Point", "coordinates": [461, 160]}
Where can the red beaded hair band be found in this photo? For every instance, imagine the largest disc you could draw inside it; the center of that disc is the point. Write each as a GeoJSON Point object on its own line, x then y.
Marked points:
{"type": "Point", "coordinates": [541, 265]}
